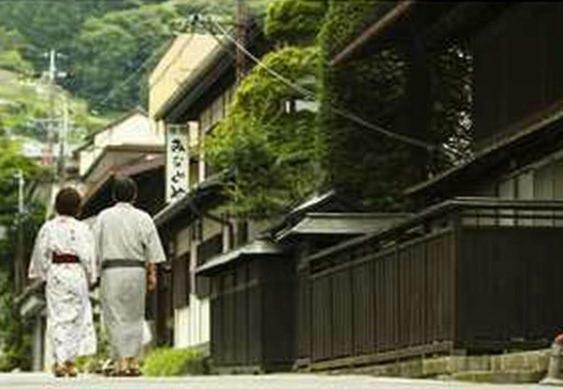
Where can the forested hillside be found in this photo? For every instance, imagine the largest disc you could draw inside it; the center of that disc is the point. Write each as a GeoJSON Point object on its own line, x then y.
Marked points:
{"type": "Point", "coordinates": [106, 47]}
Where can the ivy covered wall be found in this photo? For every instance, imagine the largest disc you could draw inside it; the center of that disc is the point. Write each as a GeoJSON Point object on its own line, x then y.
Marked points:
{"type": "Point", "coordinates": [271, 137]}
{"type": "Point", "coordinates": [295, 21]}
{"type": "Point", "coordinates": [410, 87]}
{"type": "Point", "coordinates": [406, 87]}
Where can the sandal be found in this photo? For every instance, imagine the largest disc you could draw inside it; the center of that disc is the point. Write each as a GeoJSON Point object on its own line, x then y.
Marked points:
{"type": "Point", "coordinates": [108, 368]}
{"type": "Point", "coordinates": [71, 369]}
{"type": "Point", "coordinates": [132, 372]}
{"type": "Point", "coordinates": [121, 369]}
{"type": "Point", "coordinates": [59, 370]}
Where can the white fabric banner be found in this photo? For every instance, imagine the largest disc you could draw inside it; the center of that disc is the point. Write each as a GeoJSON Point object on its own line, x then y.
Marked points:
{"type": "Point", "coordinates": [177, 162]}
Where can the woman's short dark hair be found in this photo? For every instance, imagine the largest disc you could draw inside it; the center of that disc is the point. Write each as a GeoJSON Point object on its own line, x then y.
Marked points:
{"type": "Point", "coordinates": [67, 202]}
{"type": "Point", "coordinates": [124, 189]}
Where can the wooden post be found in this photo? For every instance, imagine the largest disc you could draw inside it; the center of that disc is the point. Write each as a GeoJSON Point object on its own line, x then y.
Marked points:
{"type": "Point", "coordinates": [418, 103]}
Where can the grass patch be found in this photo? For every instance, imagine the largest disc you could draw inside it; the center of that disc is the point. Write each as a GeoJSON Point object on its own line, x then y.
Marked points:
{"type": "Point", "coordinates": [166, 362]}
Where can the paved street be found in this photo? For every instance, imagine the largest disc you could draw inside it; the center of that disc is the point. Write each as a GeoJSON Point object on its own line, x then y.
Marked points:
{"type": "Point", "coordinates": [24, 381]}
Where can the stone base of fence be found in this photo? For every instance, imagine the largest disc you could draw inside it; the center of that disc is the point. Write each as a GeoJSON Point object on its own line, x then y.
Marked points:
{"type": "Point", "coordinates": [516, 367]}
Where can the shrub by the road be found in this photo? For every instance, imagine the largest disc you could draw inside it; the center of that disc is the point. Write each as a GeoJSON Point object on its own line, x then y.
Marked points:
{"type": "Point", "coordinates": [174, 362]}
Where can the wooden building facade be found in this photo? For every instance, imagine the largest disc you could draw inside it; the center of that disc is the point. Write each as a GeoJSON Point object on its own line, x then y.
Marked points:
{"type": "Point", "coordinates": [194, 229]}
{"type": "Point", "coordinates": [252, 309]}
{"type": "Point", "coordinates": [256, 299]}
{"type": "Point", "coordinates": [464, 275]}
{"type": "Point", "coordinates": [470, 275]}
{"type": "Point", "coordinates": [474, 270]}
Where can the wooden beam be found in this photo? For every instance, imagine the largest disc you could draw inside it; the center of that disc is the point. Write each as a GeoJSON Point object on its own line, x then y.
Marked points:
{"type": "Point", "coordinates": [375, 30]}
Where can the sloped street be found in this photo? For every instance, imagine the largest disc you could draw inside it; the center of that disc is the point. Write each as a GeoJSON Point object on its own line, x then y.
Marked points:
{"type": "Point", "coordinates": [37, 380]}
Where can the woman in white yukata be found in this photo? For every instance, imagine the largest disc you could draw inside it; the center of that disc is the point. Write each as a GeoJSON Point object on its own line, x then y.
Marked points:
{"type": "Point", "coordinates": [64, 257]}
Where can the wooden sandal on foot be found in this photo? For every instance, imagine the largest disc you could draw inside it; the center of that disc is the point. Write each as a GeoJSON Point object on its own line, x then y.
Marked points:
{"type": "Point", "coordinates": [59, 370]}
{"type": "Point", "coordinates": [133, 372]}
{"type": "Point", "coordinates": [71, 369]}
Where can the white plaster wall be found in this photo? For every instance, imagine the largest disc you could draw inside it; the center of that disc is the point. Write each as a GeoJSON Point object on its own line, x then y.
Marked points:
{"type": "Point", "coordinates": [200, 328]}
{"type": "Point", "coordinates": [136, 130]}
{"type": "Point", "coordinates": [525, 189]}
{"type": "Point", "coordinates": [181, 325]}
{"type": "Point", "coordinates": [191, 324]}
{"type": "Point", "coordinates": [506, 191]}
{"type": "Point", "coordinates": [211, 228]}
{"type": "Point", "coordinates": [86, 159]}
{"type": "Point", "coordinates": [183, 57]}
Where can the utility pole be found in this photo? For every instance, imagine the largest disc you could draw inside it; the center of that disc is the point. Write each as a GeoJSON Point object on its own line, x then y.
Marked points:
{"type": "Point", "coordinates": [61, 166]}
{"type": "Point", "coordinates": [19, 268]}
{"type": "Point", "coordinates": [51, 79]}
{"type": "Point", "coordinates": [241, 25]}
{"type": "Point", "coordinates": [56, 127]}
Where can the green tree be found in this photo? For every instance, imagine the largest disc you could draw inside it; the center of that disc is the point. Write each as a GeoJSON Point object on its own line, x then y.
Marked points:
{"type": "Point", "coordinates": [54, 24]}
{"type": "Point", "coordinates": [416, 90]}
{"type": "Point", "coordinates": [22, 100]}
{"type": "Point", "coordinates": [105, 42]}
{"type": "Point", "coordinates": [12, 44]}
{"type": "Point", "coordinates": [112, 53]}
{"type": "Point", "coordinates": [15, 337]}
{"type": "Point", "coordinates": [271, 136]}
{"type": "Point", "coordinates": [294, 21]}
{"type": "Point", "coordinates": [116, 51]}
{"type": "Point", "coordinates": [275, 150]}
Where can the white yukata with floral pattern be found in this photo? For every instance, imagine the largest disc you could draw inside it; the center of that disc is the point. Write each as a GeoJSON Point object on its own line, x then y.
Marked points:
{"type": "Point", "coordinates": [69, 312]}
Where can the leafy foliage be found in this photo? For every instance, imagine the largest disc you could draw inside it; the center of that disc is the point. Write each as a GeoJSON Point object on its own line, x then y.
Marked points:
{"type": "Point", "coordinates": [452, 67]}
{"type": "Point", "coordinates": [275, 153]}
{"type": "Point", "coordinates": [54, 24]}
{"type": "Point", "coordinates": [115, 46]}
{"type": "Point", "coordinates": [174, 362]}
{"type": "Point", "coordinates": [11, 46]}
{"type": "Point", "coordinates": [15, 334]}
{"type": "Point", "coordinates": [104, 42]}
{"type": "Point", "coordinates": [419, 93]}
{"type": "Point", "coordinates": [294, 21]}
{"type": "Point", "coordinates": [23, 100]}
{"type": "Point", "coordinates": [363, 164]}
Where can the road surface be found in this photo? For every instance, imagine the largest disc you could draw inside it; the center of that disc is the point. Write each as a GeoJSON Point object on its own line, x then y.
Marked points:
{"type": "Point", "coordinates": [289, 381]}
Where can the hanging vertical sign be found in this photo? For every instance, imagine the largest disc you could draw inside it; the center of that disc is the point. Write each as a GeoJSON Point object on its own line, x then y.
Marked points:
{"type": "Point", "coordinates": [177, 162]}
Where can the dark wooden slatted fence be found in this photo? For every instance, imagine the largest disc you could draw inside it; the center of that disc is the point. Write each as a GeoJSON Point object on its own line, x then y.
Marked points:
{"type": "Point", "coordinates": [510, 273]}
{"type": "Point", "coordinates": [474, 276]}
{"type": "Point", "coordinates": [384, 302]}
{"type": "Point", "coordinates": [252, 315]}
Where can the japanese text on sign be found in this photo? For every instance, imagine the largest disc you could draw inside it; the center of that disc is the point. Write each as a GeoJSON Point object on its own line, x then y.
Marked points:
{"type": "Point", "coordinates": [177, 163]}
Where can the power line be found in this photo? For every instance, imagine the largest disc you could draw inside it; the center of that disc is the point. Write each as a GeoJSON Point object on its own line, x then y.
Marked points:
{"type": "Point", "coordinates": [179, 52]}
{"type": "Point", "coordinates": [309, 94]}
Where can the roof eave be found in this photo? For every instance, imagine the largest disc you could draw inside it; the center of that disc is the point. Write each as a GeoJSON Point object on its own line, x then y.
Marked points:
{"type": "Point", "coordinates": [258, 248]}
{"type": "Point", "coordinates": [206, 191]}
